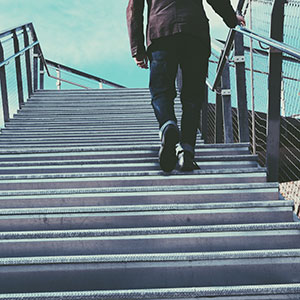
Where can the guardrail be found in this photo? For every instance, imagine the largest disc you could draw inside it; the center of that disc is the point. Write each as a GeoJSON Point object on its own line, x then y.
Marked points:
{"type": "Point", "coordinates": [224, 129]}
{"type": "Point", "coordinates": [33, 66]}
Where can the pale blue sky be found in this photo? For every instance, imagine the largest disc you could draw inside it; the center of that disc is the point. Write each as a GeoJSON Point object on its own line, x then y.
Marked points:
{"type": "Point", "coordinates": [90, 35]}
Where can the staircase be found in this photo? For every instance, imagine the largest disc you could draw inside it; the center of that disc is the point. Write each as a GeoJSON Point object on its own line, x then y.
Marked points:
{"type": "Point", "coordinates": [86, 212]}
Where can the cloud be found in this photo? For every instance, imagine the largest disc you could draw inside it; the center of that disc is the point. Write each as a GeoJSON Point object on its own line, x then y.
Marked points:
{"type": "Point", "coordinates": [74, 31]}
{"type": "Point", "coordinates": [90, 35]}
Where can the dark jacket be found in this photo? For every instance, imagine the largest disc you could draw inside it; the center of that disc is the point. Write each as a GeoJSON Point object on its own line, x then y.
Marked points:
{"type": "Point", "coordinates": [168, 17]}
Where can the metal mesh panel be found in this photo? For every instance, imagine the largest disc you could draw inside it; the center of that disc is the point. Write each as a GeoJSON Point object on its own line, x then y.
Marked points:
{"type": "Point", "coordinates": [291, 23]}
{"type": "Point", "coordinates": [260, 11]}
{"type": "Point", "coordinates": [291, 191]}
{"type": "Point", "coordinates": [290, 102]}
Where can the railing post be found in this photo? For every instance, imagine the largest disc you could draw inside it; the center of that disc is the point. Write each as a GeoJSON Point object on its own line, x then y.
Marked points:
{"type": "Point", "coordinates": [274, 97]}
{"type": "Point", "coordinates": [227, 110]}
{"type": "Point", "coordinates": [58, 81]}
{"type": "Point", "coordinates": [4, 87]}
{"type": "Point", "coordinates": [18, 70]}
{"type": "Point", "coordinates": [239, 60]}
{"type": "Point", "coordinates": [35, 67]}
{"type": "Point", "coordinates": [218, 116]}
{"type": "Point", "coordinates": [42, 72]}
{"type": "Point", "coordinates": [204, 115]}
{"type": "Point", "coordinates": [27, 60]}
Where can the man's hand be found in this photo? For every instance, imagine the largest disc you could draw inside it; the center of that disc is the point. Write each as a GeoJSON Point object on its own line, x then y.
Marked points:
{"type": "Point", "coordinates": [142, 61]}
{"type": "Point", "coordinates": [241, 20]}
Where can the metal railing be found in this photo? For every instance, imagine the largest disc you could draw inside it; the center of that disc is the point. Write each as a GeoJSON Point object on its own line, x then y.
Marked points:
{"type": "Point", "coordinates": [20, 48]}
{"type": "Point", "coordinates": [265, 123]}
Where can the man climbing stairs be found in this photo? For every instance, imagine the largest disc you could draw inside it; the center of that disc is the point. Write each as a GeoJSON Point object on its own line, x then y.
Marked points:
{"type": "Point", "coordinates": [86, 212]}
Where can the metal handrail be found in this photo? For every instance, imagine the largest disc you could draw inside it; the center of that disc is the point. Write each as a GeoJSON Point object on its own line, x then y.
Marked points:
{"type": "Point", "coordinates": [80, 73]}
{"type": "Point", "coordinates": [223, 58]}
{"type": "Point", "coordinates": [11, 30]}
{"type": "Point", "coordinates": [282, 47]}
{"type": "Point", "coordinates": [279, 46]}
{"type": "Point", "coordinates": [6, 61]}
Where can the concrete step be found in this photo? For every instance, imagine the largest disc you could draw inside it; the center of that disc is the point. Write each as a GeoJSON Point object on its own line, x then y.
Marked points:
{"type": "Point", "coordinates": [160, 180]}
{"type": "Point", "coordinates": [146, 271]}
{"type": "Point", "coordinates": [121, 174]}
{"type": "Point", "coordinates": [76, 130]}
{"type": "Point", "coordinates": [248, 292]}
{"type": "Point", "coordinates": [78, 143]}
{"type": "Point", "coordinates": [121, 148]}
{"type": "Point", "coordinates": [151, 240]}
{"type": "Point", "coordinates": [132, 134]}
{"type": "Point", "coordinates": [15, 123]}
{"type": "Point", "coordinates": [88, 107]}
{"type": "Point", "coordinates": [112, 154]}
{"type": "Point", "coordinates": [137, 195]}
{"type": "Point", "coordinates": [67, 218]}
{"type": "Point", "coordinates": [115, 166]}
{"type": "Point", "coordinates": [119, 160]}
{"type": "Point", "coordinates": [95, 113]}
{"type": "Point", "coordinates": [141, 116]}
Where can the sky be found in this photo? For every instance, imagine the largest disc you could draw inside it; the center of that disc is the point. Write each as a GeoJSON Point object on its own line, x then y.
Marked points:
{"type": "Point", "coordinates": [89, 35]}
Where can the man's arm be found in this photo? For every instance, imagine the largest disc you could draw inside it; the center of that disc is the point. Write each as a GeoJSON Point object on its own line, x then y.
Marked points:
{"type": "Point", "coordinates": [135, 23]}
{"type": "Point", "coordinates": [224, 9]}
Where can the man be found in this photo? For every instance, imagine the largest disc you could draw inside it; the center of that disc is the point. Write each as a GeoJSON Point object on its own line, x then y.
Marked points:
{"type": "Point", "coordinates": [177, 35]}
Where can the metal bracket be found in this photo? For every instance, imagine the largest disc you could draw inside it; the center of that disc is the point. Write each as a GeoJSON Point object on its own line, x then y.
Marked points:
{"type": "Point", "coordinates": [226, 92]}
{"type": "Point", "coordinates": [35, 55]}
{"type": "Point", "coordinates": [274, 50]}
{"type": "Point", "coordinates": [239, 59]}
{"type": "Point", "coordinates": [42, 72]}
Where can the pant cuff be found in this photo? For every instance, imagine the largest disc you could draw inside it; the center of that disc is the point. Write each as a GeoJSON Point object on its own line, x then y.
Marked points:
{"type": "Point", "coordinates": [164, 126]}
{"type": "Point", "coordinates": [185, 147]}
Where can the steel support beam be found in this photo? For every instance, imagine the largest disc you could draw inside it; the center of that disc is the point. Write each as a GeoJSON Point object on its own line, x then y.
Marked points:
{"type": "Point", "coordinates": [274, 96]}
{"type": "Point", "coordinates": [42, 73]}
{"type": "Point", "coordinates": [227, 110]}
{"type": "Point", "coordinates": [18, 70]}
{"type": "Point", "coordinates": [204, 115]}
{"type": "Point", "coordinates": [3, 83]}
{"type": "Point", "coordinates": [239, 60]}
{"type": "Point", "coordinates": [35, 67]}
{"type": "Point", "coordinates": [28, 64]}
{"type": "Point", "coordinates": [219, 117]}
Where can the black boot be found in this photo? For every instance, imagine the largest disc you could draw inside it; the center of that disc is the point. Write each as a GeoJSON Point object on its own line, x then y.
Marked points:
{"type": "Point", "coordinates": [186, 161]}
{"type": "Point", "coordinates": [167, 152]}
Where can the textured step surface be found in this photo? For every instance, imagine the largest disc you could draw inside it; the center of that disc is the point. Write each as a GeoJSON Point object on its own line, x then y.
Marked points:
{"type": "Point", "coordinates": [149, 271]}
{"type": "Point", "coordinates": [150, 240]}
{"type": "Point", "coordinates": [86, 212]}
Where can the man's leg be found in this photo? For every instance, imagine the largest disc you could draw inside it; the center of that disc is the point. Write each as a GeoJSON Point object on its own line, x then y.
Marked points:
{"type": "Point", "coordinates": [163, 70]}
{"type": "Point", "coordinates": [194, 54]}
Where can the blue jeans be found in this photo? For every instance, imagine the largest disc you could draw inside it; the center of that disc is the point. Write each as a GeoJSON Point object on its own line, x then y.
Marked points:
{"type": "Point", "coordinates": [191, 54]}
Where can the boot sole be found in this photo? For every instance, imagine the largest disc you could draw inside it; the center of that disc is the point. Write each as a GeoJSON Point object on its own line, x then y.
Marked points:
{"type": "Point", "coordinates": [167, 153]}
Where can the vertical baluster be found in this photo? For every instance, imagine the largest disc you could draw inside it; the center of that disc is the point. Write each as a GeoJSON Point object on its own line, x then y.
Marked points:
{"type": "Point", "coordinates": [42, 72]}
{"type": "Point", "coordinates": [239, 60]}
{"type": "Point", "coordinates": [35, 67]}
{"type": "Point", "coordinates": [58, 81]}
{"type": "Point", "coordinates": [227, 110]}
{"type": "Point", "coordinates": [3, 82]}
{"type": "Point", "coordinates": [18, 70]}
{"type": "Point", "coordinates": [204, 116]}
{"type": "Point", "coordinates": [274, 97]}
{"type": "Point", "coordinates": [218, 116]}
{"type": "Point", "coordinates": [28, 64]}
